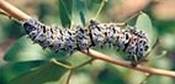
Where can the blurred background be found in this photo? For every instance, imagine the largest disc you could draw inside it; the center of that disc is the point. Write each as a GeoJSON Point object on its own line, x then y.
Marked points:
{"type": "Point", "coordinates": [21, 61]}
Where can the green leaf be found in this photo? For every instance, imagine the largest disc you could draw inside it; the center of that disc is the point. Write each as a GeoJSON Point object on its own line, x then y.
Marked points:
{"type": "Point", "coordinates": [10, 71]}
{"type": "Point", "coordinates": [82, 9]}
{"type": "Point", "coordinates": [110, 76]}
{"type": "Point", "coordinates": [25, 50]}
{"type": "Point", "coordinates": [82, 17]}
{"type": "Point", "coordinates": [65, 12]}
{"type": "Point", "coordinates": [64, 77]}
{"type": "Point", "coordinates": [49, 72]}
{"type": "Point", "coordinates": [144, 23]}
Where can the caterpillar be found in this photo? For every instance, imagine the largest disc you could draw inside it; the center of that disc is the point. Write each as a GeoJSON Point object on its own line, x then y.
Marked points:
{"type": "Point", "coordinates": [129, 40]}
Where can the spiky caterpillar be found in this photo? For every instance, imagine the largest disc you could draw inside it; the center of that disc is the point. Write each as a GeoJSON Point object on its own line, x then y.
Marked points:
{"type": "Point", "coordinates": [129, 40]}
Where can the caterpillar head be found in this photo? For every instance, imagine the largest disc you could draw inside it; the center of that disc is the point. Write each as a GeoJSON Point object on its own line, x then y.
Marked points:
{"type": "Point", "coordinates": [29, 25]}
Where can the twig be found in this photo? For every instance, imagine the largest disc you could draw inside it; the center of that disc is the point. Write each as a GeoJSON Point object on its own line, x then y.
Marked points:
{"type": "Point", "coordinates": [2, 12]}
{"type": "Point", "coordinates": [16, 13]}
{"type": "Point", "coordinates": [69, 76]}
{"type": "Point", "coordinates": [84, 63]}
{"type": "Point", "coordinates": [127, 64]}
{"type": "Point", "coordinates": [61, 64]}
{"type": "Point", "coordinates": [13, 11]}
{"type": "Point", "coordinates": [101, 7]}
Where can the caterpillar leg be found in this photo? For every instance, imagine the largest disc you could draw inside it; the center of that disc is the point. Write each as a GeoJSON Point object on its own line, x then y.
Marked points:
{"type": "Point", "coordinates": [87, 50]}
{"type": "Point", "coordinates": [134, 60]}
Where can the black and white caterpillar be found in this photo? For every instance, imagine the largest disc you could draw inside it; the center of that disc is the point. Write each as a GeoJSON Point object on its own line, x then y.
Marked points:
{"type": "Point", "coordinates": [129, 40]}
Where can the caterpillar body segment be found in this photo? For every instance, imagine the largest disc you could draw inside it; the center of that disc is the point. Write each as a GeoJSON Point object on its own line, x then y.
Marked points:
{"type": "Point", "coordinates": [129, 40]}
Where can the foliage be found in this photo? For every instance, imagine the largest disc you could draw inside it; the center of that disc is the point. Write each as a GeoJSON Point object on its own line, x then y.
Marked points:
{"type": "Point", "coordinates": [28, 63]}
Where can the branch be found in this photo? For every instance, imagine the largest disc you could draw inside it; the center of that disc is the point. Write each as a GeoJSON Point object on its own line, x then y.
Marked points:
{"type": "Point", "coordinates": [2, 12]}
{"type": "Point", "coordinates": [142, 68]}
{"type": "Point", "coordinates": [18, 14]}
{"type": "Point", "coordinates": [13, 11]}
